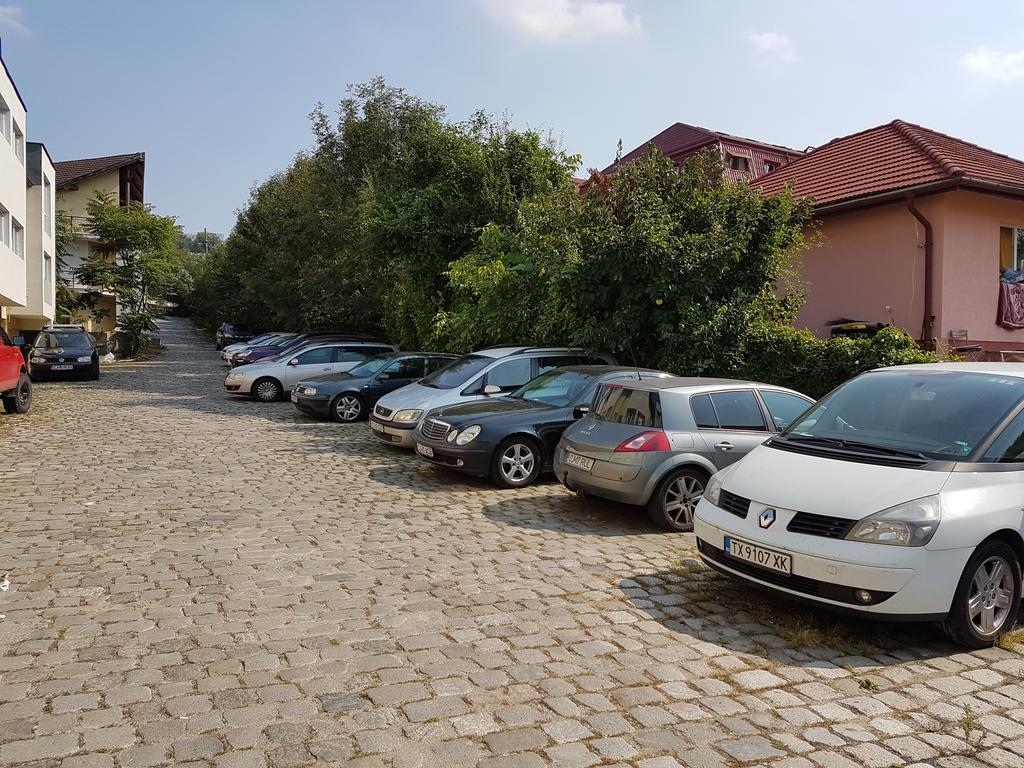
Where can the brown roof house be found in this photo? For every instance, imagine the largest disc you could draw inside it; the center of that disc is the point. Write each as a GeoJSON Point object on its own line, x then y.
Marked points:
{"type": "Point", "coordinates": [916, 227]}
{"type": "Point", "coordinates": [122, 177]}
{"type": "Point", "coordinates": [744, 159]}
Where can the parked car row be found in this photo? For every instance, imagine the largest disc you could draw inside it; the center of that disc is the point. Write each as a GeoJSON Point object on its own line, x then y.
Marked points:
{"type": "Point", "coordinates": [57, 351]}
{"type": "Point", "coordinates": [899, 496]}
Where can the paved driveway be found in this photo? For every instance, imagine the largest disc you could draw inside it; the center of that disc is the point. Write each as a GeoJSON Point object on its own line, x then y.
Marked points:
{"type": "Point", "coordinates": [197, 580]}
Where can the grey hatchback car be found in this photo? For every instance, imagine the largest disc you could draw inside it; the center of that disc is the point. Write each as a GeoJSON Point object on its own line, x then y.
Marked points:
{"type": "Point", "coordinates": [656, 443]}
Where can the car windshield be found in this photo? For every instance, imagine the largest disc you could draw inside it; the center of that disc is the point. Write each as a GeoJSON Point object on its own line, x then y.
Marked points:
{"type": "Point", "coordinates": [371, 366]}
{"type": "Point", "coordinates": [279, 342]}
{"type": "Point", "coordinates": [457, 372]}
{"type": "Point", "coordinates": [558, 388]}
{"type": "Point", "coordinates": [929, 414]}
{"type": "Point", "coordinates": [63, 340]}
{"type": "Point", "coordinates": [623, 405]}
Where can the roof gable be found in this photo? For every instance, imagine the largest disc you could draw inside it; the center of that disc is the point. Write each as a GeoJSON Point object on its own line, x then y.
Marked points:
{"type": "Point", "coordinates": [70, 172]}
{"type": "Point", "coordinates": [889, 158]}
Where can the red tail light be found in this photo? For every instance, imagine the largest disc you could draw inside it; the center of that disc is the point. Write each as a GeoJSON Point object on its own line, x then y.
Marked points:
{"type": "Point", "coordinates": [644, 442]}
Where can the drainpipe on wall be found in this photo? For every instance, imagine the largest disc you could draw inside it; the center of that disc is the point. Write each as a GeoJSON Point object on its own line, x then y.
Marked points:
{"type": "Point", "coordinates": [929, 318]}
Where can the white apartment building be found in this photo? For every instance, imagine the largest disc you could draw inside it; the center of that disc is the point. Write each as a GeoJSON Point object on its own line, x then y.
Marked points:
{"type": "Point", "coordinates": [27, 208]}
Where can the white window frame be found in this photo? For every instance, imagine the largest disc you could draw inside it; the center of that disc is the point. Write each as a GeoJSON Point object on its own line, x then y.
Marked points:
{"type": "Point", "coordinates": [47, 206]}
{"type": "Point", "coordinates": [5, 226]}
{"type": "Point", "coordinates": [47, 274]}
{"type": "Point", "coordinates": [19, 142]}
{"type": "Point", "coordinates": [5, 120]}
{"type": "Point", "coordinates": [17, 238]}
{"type": "Point", "coordinates": [1018, 248]}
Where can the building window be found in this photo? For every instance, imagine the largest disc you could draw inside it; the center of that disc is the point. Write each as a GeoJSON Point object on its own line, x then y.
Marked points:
{"type": "Point", "coordinates": [5, 227]}
{"type": "Point", "coordinates": [1011, 248]}
{"type": "Point", "coordinates": [738, 163]}
{"type": "Point", "coordinates": [47, 276]}
{"type": "Point", "coordinates": [769, 167]}
{"type": "Point", "coordinates": [5, 119]}
{"type": "Point", "coordinates": [17, 238]}
{"type": "Point", "coordinates": [19, 143]}
{"type": "Point", "coordinates": [47, 206]}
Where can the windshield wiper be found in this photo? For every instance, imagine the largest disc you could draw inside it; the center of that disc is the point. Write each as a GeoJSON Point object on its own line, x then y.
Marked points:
{"type": "Point", "coordinates": [856, 445]}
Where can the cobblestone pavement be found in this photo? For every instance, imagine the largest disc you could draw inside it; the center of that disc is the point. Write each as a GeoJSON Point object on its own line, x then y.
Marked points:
{"type": "Point", "coordinates": [204, 581]}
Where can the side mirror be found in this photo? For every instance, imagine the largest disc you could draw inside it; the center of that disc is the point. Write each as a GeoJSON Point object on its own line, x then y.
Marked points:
{"type": "Point", "coordinates": [580, 411]}
{"type": "Point", "coordinates": [293, 361]}
{"type": "Point", "coordinates": [490, 389]}
{"type": "Point", "coordinates": [384, 377]}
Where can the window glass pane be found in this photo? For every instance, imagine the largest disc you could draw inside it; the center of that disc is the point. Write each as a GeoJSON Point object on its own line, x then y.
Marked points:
{"type": "Point", "coordinates": [548, 363]}
{"type": "Point", "coordinates": [5, 339]}
{"type": "Point", "coordinates": [638, 407]}
{"type": "Point", "coordinates": [435, 363]}
{"type": "Point", "coordinates": [783, 407]}
{"type": "Point", "coordinates": [457, 372]}
{"type": "Point", "coordinates": [352, 354]}
{"type": "Point", "coordinates": [318, 355]}
{"type": "Point", "coordinates": [703, 412]}
{"type": "Point", "coordinates": [738, 410]}
{"type": "Point", "coordinates": [406, 368]}
{"type": "Point", "coordinates": [511, 374]}
{"type": "Point", "coordinates": [559, 388]}
{"type": "Point", "coordinates": [1009, 446]}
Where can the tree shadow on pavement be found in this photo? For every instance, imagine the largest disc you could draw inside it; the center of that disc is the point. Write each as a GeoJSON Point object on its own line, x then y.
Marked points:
{"type": "Point", "coordinates": [698, 602]}
{"type": "Point", "coordinates": [566, 513]}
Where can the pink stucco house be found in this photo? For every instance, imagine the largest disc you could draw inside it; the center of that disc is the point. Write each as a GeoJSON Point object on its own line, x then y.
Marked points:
{"type": "Point", "coordinates": [914, 227]}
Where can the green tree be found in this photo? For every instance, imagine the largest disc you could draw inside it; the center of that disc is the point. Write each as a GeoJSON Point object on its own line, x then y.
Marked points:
{"type": "Point", "coordinates": [136, 257]}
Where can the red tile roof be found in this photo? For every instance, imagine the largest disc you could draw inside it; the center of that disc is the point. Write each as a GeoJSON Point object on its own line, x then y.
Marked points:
{"type": "Point", "coordinates": [71, 171]}
{"type": "Point", "coordinates": [892, 157]}
{"type": "Point", "coordinates": [681, 140]}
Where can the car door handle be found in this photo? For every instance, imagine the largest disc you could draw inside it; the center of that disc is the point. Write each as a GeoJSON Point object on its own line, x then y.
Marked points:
{"type": "Point", "coordinates": [724, 446]}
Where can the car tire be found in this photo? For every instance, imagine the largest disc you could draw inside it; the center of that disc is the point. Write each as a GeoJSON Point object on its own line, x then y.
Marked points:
{"type": "Point", "coordinates": [20, 399]}
{"type": "Point", "coordinates": [348, 407]}
{"type": "Point", "coordinates": [675, 499]}
{"type": "Point", "coordinates": [987, 599]}
{"type": "Point", "coordinates": [267, 389]}
{"type": "Point", "coordinates": [516, 463]}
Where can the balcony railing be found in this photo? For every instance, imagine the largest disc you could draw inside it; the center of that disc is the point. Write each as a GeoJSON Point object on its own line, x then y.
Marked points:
{"type": "Point", "coordinates": [80, 226]}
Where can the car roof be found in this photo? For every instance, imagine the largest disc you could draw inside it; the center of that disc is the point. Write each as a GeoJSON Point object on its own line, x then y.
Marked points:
{"type": "Point", "coordinates": [506, 350]}
{"type": "Point", "coordinates": [696, 384]}
{"type": "Point", "coordinates": [603, 370]}
{"type": "Point", "coordinates": [1003, 369]}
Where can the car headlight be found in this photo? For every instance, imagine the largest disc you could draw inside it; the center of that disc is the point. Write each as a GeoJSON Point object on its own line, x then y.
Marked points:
{"type": "Point", "coordinates": [308, 390]}
{"type": "Point", "coordinates": [906, 525]}
{"type": "Point", "coordinates": [234, 375]}
{"type": "Point", "coordinates": [468, 435]}
{"type": "Point", "coordinates": [452, 435]}
{"type": "Point", "coordinates": [85, 359]}
{"type": "Point", "coordinates": [410, 415]}
{"type": "Point", "coordinates": [714, 487]}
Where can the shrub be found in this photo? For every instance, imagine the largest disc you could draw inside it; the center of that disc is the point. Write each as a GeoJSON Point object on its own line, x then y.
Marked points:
{"type": "Point", "coordinates": [797, 359]}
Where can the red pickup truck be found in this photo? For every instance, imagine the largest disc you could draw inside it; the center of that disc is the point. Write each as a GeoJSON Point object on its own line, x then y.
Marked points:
{"type": "Point", "coordinates": [15, 386]}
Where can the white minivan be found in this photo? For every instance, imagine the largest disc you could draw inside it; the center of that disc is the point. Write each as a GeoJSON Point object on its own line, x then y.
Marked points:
{"type": "Point", "coordinates": [899, 496]}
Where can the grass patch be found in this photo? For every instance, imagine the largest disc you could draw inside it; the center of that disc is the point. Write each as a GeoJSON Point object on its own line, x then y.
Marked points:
{"type": "Point", "coordinates": [1012, 640]}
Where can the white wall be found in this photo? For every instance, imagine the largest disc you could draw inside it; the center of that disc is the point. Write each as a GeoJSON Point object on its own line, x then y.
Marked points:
{"type": "Point", "coordinates": [12, 197]}
{"type": "Point", "coordinates": [40, 295]}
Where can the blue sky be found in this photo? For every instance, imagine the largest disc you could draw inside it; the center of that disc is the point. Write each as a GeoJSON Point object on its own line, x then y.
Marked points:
{"type": "Point", "coordinates": [217, 92]}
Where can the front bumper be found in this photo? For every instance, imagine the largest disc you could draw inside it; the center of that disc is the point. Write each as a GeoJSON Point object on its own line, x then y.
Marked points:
{"type": "Point", "coordinates": [314, 405]}
{"type": "Point", "coordinates": [53, 369]}
{"type": "Point", "coordinates": [908, 583]}
{"type": "Point", "coordinates": [624, 483]}
{"type": "Point", "coordinates": [242, 386]}
{"type": "Point", "coordinates": [388, 432]}
{"type": "Point", "coordinates": [473, 459]}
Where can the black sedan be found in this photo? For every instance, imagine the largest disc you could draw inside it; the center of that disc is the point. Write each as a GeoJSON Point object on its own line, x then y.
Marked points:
{"type": "Point", "coordinates": [349, 396]}
{"type": "Point", "coordinates": [512, 439]}
{"type": "Point", "coordinates": [63, 351]}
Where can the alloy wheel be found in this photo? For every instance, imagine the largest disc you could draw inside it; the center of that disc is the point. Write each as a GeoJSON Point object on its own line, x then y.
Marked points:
{"type": "Point", "coordinates": [24, 393]}
{"type": "Point", "coordinates": [267, 391]}
{"type": "Point", "coordinates": [991, 596]}
{"type": "Point", "coordinates": [517, 463]}
{"type": "Point", "coordinates": [681, 499]}
{"type": "Point", "coordinates": [348, 408]}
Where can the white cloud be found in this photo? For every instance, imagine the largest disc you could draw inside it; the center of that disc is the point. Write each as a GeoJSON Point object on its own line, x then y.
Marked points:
{"type": "Point", "coordinates": [565, 21]}
{"type": "Point", "coordinates": [774, 44]}
{"type": "Point", "coordinates": [1005, 67]}
{"type": "Point", "coordinates": [10, 17]}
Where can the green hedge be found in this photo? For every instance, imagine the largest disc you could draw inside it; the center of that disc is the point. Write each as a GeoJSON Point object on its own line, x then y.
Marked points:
{"type": "Point", "coordinates": [797, 359]}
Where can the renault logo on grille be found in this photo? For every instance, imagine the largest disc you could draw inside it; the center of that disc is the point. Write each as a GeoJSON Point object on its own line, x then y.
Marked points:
{"type": "Point", "coordinates": [767, 518]}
